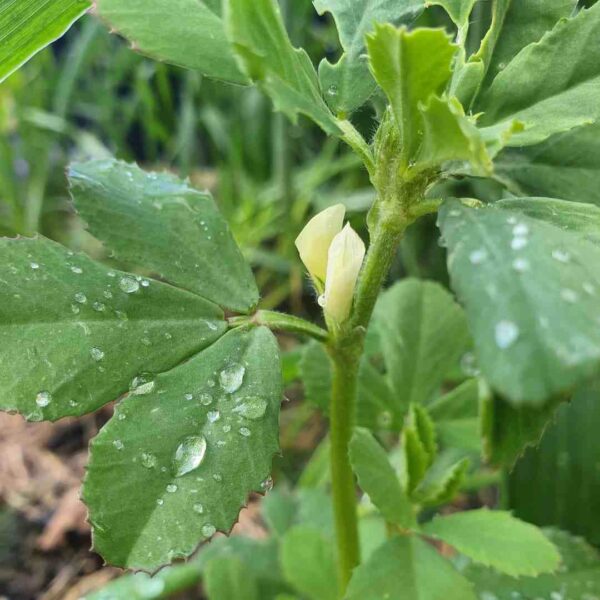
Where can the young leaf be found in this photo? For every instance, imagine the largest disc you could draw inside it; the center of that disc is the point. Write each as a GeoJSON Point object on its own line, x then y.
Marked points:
{"type": "Point", "coordinates": [442, 484]}
{"type": "Point", "coordinates": [415, 460]}
{"type": "Point", "coordinates": [422, 332]}
{"type": "Point", "coordinates": [547, 105]}
{"type": "Point", "coordinates": [379, 480]}
{"type": "Point", "coordinates": [157, 221]}
{"type": "Point", "coordinates": [227, 578]}
{"type": "Point", "coordinates": [187, 33]}
{"type": "Point", "coordinates": [578, 578]}
{"type": "Point", "coordinates": [407, 567]}
{"type": "Point", "coordinates": [528, 273]}
{"type": "Point", "coordinates": [496, 539]}
{"type": "Point", "coordinates": [190, 450]}
{"type": "Point", "coordinates": [285, 73]}
{"type": "Point", "coordinates": [308, 563]}
{"type": "Point", "coordinates": [410, 67]}
{"type": "Point", "coordinates": [563, 470]}
{"type": "Point", "coordinates": [28, 26]}
{"type": "Point", "coordinates": [348, 83]}
{"type": "Point", "coordinates": [74, 334]}
{"type": "Point", "coordinates": [566, 165]}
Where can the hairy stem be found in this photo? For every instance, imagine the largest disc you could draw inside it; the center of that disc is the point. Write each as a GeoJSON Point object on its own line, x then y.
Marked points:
{"type": "Point", "coordinates": [280, 322]}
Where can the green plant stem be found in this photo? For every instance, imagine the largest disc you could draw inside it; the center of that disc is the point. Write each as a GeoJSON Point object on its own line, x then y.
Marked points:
{"type": "Point", "coordinates": [281, 322]}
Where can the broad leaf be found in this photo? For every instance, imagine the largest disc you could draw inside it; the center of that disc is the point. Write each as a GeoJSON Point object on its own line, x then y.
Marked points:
{"type": "Point", "coordinates": [379, 480]}
{"type": "Point", "coordinates": [578, 578]}
{"type": "Point", "coordinates": [74, 334]}
{"type": "Point", "coordinates": [422, 332]}
{"type": "Point", "coordinates": [227, 578]}
{"type": "Point", "coordinates": [528, 273]}
{"type": "Point", "coordinates": [566, 165]}
{"type": "Point", "coordinates": [159, 222]}
{"type": "Point", "coordinates": [548, 105]}
{"type": "Point", "coordinates": [348, 83]}
{"type": "Point", "coordinates": [190, 450]}
{"type": "Point", "coordinates": [308, 563]}
{"type": "Point", "coordinates": [407, 567]}
{"type": "Point", "coordinates": [563, 470]}
{"type": "Point", "coordinates": [28, 26]}
{"type": "Point", "coordinates": [496, 539]}
{"type": "Point", "coordinates": [187, 33]}
{"type": "Point", "coordinates": [410, 67]}
{"type": "Point", "coordinates": [285, 73]}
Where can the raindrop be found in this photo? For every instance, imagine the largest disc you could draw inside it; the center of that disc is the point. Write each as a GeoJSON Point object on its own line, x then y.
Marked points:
{"type": "Point", "coordinates": [252, 408]}
{"type": "Point", "coordinates": [198, 508]}
{"type": "Point", "coordinates": [213, 416]}
{"type": "Point", "coordinates": [43, 399]}
{"type": "Point", "coordinates": [478, 256]}
{"type": "Point", "coordinates": [245, 432]}
{"type": "Point", "coordinates": [208, 530]}
{"type": "Point", "coordinates": [129, 285]}
{"type": "Point", "coordinates": [206, 399]}
{"type": "Point", "coordinates": [518, 243]}
{"type": "Point", "coordinates": [99, 307]}
{"type": "Point", "coordinates": [468, 365]}
{"type": "Point", "coordinates": [141, 385]}
{"type": "Point", "coordinates": [34, 265]}
{"type": "Point", "coordinates": [561, 256]}
{"type": "Point", "coordinates": [77, 270]}
{"type": "Point", "coordinates": [321, 300]}
{"type": "Point", "coordinates": [148, 460]}
{"type": "Point", "coordinates": [212, 326]}
{"type": "Point", "coordinates": [506, 334]}
{"type": "Point", "coordinates": [118, 444]}
{"type": "Point", "coordinates": [217, 477]}
{"type": "Point", "coordinates": [188, 396]}
{"type": "Point", "coordinates": [97, 354]}
{"type": "Point", "coordinates": [521, 265]}
{"type": "Point", "coordinates": [80, 297]}
{"type": "Point", "coordinates": [267, 484]}
{"type": "Point", "coordinates": [171, 488]}
{"type": "Point", "coordinates": [145, 283]}
{"type": "Point", "coordinates": [75, 309]}
{"type": "Point", "coordinates": [332, 91]}
{"type": "Point", "coordinates": [226, 428]}
{"type": "Point", "coordinates": [107, 294]}
{"type": "Point", "coordinates": [160, 502]}
{"type": "Point", "coordinates": [520, 229]}
{"type": "Point", "coordinates": [189, 455]}
{"type": "Point", "coordinates": [231, 378]}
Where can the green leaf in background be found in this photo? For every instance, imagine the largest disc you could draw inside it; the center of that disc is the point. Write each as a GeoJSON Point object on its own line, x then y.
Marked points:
{"type": "Point", "coordinates": [410, 66]}
{"type": "Point", "coordinates": [458, 10]}
{"type": "Point", "coordinates": [456, 416]}
{"type": "Point", "coordinates": [158, 221]}
{"type": "Point", "coordinates": [508, 430]}
{"type": "Point", "coordinates": [407, 567]}
{"type": "Point", "coordinates": [348, 83]}
{"type": "Point", "coordinates": [496, 539]}
{"type": "Point", "coordinates": [74, 334]}
{"type": "Point", "coordinates": [422, 332]}
{"type": "Point", "coordinates": [189, 451]}
{"type": "Point", "coordinates": [517, 24]}
{"type": "Point", "coordinates": [566, 165]}
{"type": "Point", "coordinates": [28, 26]}
{"type": "Point", "coordinates": [563, 471]}
{"type": "Point", "coordinates": [227, 578]}
{"type": "Point", "coordinates": [187, 33]}
{"type": "Point", "coordinates": [545, 104]}
{"type": "Point", "coordinates": [308, 563]}
{"type": "Point", "coordinates": [528, 273]}
{"type": "Point", "coordinates": [577, 579]}
{"type": "Point", "coordinates": [285, 73]}
{"type": "Point", "coordinates": [379, 480]}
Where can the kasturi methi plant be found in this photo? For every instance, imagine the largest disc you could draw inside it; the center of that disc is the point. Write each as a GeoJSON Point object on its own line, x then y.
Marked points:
{"type": "Point", "coordinates": [181, 341]}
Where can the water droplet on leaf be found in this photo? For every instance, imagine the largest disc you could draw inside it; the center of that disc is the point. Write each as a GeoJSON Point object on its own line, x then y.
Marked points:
{"type": "Point", "coordinates": [231, 378]}
{"type": "Point", "coordinates": [189, 455]}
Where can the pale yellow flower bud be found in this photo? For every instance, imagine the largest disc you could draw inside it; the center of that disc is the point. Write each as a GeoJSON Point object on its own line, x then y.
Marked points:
{"type": "Point", "coordinates": [315, 239]}
{"type": "Point", "coordinates": [345, 259]}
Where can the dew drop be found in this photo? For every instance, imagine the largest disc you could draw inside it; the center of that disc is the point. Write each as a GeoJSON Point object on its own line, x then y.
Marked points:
{"type": "Point", "coordinates": [97, 354]}
{"type": "Point", "coordinates": [118, 444]}
{"type": "Point", "coordinates": [518, 243]}
{"type": "Point", "coordinates": [160, 502]}
{"type": "Point", "coordinates": [267, 484]}
{"type": "Point", "coordinates": [217, 477]}
{"type": "Point", "coordinates": [332, 91]}
{"type": "Point", "coordinates": [171, 488]}
{"type": "Point", "coordinates": [189, 455]}
{"type": "Point", "coordinates": [478, 256]}
{"type": "Point", "coordinates": [321, 300]}
{"type": "Point", "coordinates": [43, 399]}
{"type": "Point", "coordinates": [252, 408]}
{"type": "Point", "coordinates": [588, 288]}
{"type": "Point", "coordinates": [561, 256]}
{"type": "Point", "coordinates": [80, 297]}
{"type": "Point", "coordinates": [506, 334]}
{"type": "Point", "coordinates": [206, 399]}
{"type": "Point", "coordinates": [521, 265]}
{"type": "Point", "coordinates": [188, 396]}
{"type": "Point", "coordinates": [107, 294]}
{"type": "Point", "coordinates": [198, 508]}
{"type": "Point", "coordinates": [141, 385]}
{"type": "Point", "coordinates": [384, 419]}
{"type": "Point", "coordinates": [213, 416]}
{"type": "Point", "coordinates": [520, 229]}
{"type": "Point", "coordinates": [145, 283]}
{"type": "Point", "coordinates": [226, 428]}
{"type": "Point", "coordinates": [99, 307]}
{"type": "Point", "coordinates": [231, 378]}
{"type": "Point", "coordinates": [75, 309]}
{"type": "Point", "coordinates": [245, 432]}
{"type": "Point", "coordinates": [34, 265]}
{"type": "Point", "coordinates": [468, 365]}
{"type": "Point", "coordinates": [208, 530]}
{"type": "Point", "coordinates": [129, 285]}
{"type": "Point", "coordinates": [569, 295]}
{"type": "Point", "coordinates": [148, 460]}
{"type": "Point", "coordinates": [77, 270]}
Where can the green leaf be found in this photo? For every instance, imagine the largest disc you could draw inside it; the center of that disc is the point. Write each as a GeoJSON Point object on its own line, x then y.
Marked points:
{"type": "Point", "coordinates": [348, 83]}
{"type": "Point", "coordinates": [456, 416]}
{"type": "Point", "coordinates": [548, 105]}
{"type": "Point", "coordinates": [308, 563]}
{"type": "Point", "coordinates": [279, 508]}
{"type": "Point", "coordinates": [410, 67]}
{"type": "Point", "coordinates": [415, 460]}
{"type": "Point", "coordinates": [407, 567]}
{"type": "Point", "coordinates": [227, 578]}
{"type": "Point", "coordinates": [420, 421]}
{"type": "Point", "coordinates": [558, 483]}
{"type": "Point", "coordinates": [191, 449]}
{"type": "Point", "coordinates": [285, 73]}
{"type": "Point", "coordinates": [441, 484]}
{"type": "Point", "coordinates": [28, 26]}
{"type": "Point", "coordinates": [496, 539]}
{"type": "Point", "coordinates": [449, 135]}
{"type": "Point", "coordinates": [187, 33]}
{"type": "Point", "coordinates": [379, 480]}
{"type": "Point", "coordinates": [508, 430]}
{"type": "Point", "coordinates": [578, 578]}
{"type": "Point", "coordinates": [157, 221]}
{"type": "Point", "coordinates": [528, 274]}
{"type": "Point", "coordinates": [74, 334]}
{"type": "Point", "coordinates": [566, 165]}
{"type": "Point", "coordinates": [422, 332]}
{"type": "Point", "coordinates": [458, 10]}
